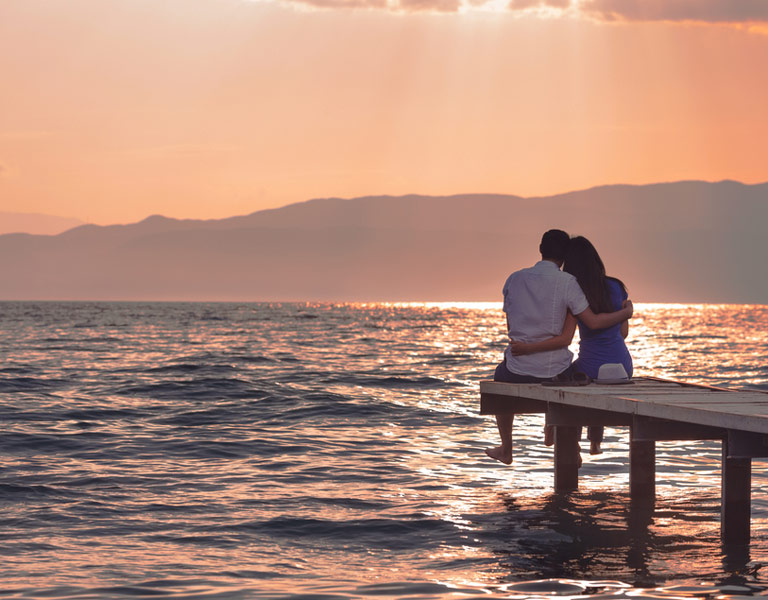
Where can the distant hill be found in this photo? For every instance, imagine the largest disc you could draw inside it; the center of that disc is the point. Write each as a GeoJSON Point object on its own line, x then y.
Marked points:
{"type": "Point", "coordinates": [13, 222]}
{"type": "Point", "coordinates": [675, 242]}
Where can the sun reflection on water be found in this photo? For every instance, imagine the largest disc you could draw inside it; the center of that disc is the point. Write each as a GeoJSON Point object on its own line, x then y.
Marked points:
{"type": "Point", "coordinates": [722, 344]}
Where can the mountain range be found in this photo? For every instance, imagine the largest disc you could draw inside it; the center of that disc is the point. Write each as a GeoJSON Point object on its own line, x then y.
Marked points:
{"type": "Point", "coordinates": [15, 222]}
{"type": "Point", "coordinates": [689, 241]}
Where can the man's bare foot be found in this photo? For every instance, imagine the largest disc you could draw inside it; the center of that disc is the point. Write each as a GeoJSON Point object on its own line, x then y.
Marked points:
{"type": "Point", "coordinates": [549, 435]}
{"type": "Point", "coordinates": [594, 448]}
{"type": "Point", "coordinates": [501, 454]}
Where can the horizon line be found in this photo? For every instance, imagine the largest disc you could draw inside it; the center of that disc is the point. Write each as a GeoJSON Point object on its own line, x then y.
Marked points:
{"type": "Point", "coordinates": [463, 304]}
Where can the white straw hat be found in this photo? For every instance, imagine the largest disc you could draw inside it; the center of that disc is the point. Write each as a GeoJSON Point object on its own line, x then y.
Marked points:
{"type": "Point", "coordinates": [612, 373]}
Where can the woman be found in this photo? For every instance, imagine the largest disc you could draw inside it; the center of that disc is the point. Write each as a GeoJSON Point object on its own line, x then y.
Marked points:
{"type": "Point", "coordinates": [596, 346]}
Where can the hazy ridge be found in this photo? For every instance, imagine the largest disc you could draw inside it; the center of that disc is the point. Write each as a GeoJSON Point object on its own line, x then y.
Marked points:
{"type": "Point", "coordinates": [673, 242]}
{"type": "Point", "coordinates": [15, 222]}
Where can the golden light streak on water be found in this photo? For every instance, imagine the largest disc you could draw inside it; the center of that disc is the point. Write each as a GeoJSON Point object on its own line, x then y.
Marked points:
{"type": "Point", "coordinates": [697, 343]}
{"type": "Point", "coordinates": [704, 342]}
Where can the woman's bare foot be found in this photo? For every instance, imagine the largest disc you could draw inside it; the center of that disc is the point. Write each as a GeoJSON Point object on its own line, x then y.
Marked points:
{"type": "Point", "coordinates": [594, 447]}
{"type": "Point", "coordinates": [549, 435]}
{"type": "Point", "coordinates": [501, 454]}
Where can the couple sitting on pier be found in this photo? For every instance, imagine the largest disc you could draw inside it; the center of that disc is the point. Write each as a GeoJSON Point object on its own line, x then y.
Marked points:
{"type": "Point", "coordinates": [543, 305]}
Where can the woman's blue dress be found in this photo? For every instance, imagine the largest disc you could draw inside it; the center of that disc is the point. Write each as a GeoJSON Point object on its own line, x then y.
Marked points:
{"type": "Point", "coordinates": [600, 346]}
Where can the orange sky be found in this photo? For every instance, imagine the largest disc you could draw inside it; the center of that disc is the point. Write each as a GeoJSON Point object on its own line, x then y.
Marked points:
{"type": "Point", "coordinates": [112, 110]}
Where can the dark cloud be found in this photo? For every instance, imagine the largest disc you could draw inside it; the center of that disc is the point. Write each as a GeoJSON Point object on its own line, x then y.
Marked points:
{"type": "Point", "coordinates": [707, 11]}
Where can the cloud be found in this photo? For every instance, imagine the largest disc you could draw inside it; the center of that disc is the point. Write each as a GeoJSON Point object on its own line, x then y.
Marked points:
{"type": "Point", "coordinates": [429, 5]}
{"type": "Point", "coordinates": [703, 11]}
{"type": "Point", "coordinates": [344, 3]}
{"type": "Point", "coordinates": [525, 4]}
{"type": "Point", "coordinates": [397, 6]}
{"type": "Point", "coordinates": [740, 12]}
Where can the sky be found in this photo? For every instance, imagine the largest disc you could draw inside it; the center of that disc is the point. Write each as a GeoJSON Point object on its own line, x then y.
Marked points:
{"type": "Point", "coordinates": [113, 110]}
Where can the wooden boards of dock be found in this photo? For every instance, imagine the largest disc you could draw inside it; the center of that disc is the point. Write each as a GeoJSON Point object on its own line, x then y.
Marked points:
{"type": "Point", "coordinates": [654, 410]}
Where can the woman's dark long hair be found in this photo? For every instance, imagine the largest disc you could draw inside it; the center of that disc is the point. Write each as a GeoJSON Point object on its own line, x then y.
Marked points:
{"type": "Point", "coordinates": [584, 263]}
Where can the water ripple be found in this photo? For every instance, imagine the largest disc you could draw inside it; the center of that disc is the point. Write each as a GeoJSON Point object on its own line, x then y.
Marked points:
{"type": "Point", "coordinates": [335, 451]}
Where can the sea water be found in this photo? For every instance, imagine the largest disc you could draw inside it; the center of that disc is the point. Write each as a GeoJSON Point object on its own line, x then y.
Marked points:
{"type": "Point", "coordinates": [192, 450]}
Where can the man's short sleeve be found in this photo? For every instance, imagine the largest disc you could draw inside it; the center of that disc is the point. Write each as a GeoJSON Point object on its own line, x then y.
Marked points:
{"type": "Point", "coordinates": [575, 298]}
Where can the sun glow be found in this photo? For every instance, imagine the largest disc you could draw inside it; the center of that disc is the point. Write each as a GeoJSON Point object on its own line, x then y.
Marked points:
{"type": "Point", "coordinates": [442, 305]}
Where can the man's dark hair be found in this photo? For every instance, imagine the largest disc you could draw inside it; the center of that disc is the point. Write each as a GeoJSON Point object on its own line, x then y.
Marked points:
{"type": "Point", "coordinates": [554, 245]}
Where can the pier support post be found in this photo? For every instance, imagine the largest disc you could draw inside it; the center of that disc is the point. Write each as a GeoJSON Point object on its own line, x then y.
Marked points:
{"type": "Point", "coordinates": [566, 458]}
{"type": "Point", "coordinates": [735, 506]}
{"type": "Point", "coordinates": [642, 472]}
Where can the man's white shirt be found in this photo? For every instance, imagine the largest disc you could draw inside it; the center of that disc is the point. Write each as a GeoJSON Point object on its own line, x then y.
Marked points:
{"type": "Point", "coordinates": [536, 301]}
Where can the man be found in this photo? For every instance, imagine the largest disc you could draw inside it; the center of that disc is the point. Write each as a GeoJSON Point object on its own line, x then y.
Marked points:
{"type": "Point", "coordinates": [536, 301]}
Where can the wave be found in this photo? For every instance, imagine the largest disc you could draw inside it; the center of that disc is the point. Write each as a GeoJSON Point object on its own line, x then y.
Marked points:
{"type": "Point", "coordinates": [211, 388]}
{"type": "Point", "coordinates": [32, 384]}
{"type": "Point", "coordinates": [286, 451]}
{"type": "Point", "coordinates": [391, 534]}
{"type": "Point", "coordinates": [16, 442]}
{"type": "Point", "coordinates": [190, 368]}
{"type": "Point", "coordinates": [10, 491]}
{"type": "Point", "coordinates": [389, 382]}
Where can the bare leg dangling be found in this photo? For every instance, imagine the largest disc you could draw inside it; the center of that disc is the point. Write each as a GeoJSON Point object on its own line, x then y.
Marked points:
{"type": "Point", "coordinates": [503, 453]}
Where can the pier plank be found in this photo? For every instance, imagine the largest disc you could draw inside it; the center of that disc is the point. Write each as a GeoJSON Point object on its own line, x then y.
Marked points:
{"type": "Point", "coordinates": [714, 407]}
{"type": "Point", "coordinates": [656, 410]}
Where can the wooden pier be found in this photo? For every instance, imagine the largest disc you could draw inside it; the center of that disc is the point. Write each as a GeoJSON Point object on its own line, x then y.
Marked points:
{"type": "Point", "coordinates": [654, 410]}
